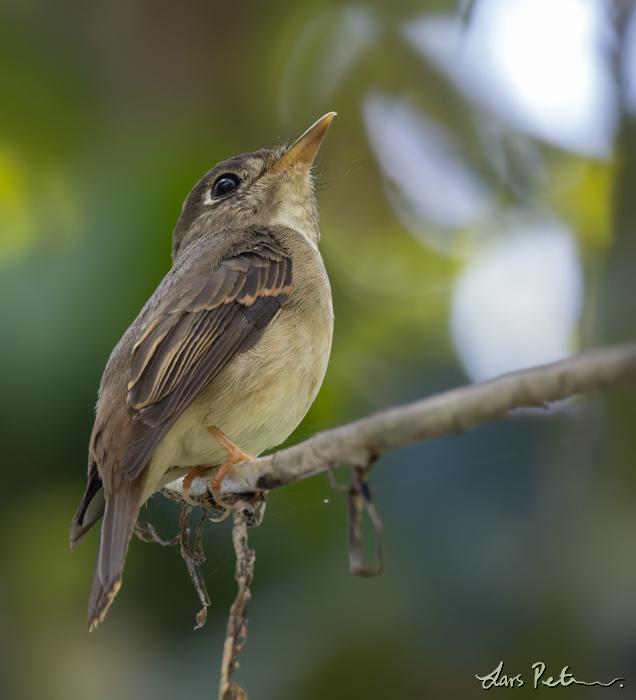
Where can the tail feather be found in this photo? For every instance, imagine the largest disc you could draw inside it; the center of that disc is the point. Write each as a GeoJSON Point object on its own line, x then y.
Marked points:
{"type": "Point", "coordinates": [120, 516]}
{"type": "Point", "coordinates": [91, 509]}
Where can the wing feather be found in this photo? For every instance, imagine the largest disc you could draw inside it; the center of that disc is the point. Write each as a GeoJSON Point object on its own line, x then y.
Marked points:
{"type": "Point", "coordinates": [186, 350]}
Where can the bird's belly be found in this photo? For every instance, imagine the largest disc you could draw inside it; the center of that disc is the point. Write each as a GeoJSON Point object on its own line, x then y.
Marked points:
{"type": "Point", "coordinates": [257, 401]}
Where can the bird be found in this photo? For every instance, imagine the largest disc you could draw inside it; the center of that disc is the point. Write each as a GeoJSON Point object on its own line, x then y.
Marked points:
{"type": "Point", "coordinates": [227, 355]}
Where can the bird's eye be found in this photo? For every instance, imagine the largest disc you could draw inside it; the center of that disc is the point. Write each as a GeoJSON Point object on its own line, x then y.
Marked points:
{"type": "Point", "coordinates": [225, 184]}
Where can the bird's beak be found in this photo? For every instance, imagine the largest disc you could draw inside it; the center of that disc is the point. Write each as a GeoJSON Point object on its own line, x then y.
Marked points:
{"type": "Point", "coordinates": [305, 149]}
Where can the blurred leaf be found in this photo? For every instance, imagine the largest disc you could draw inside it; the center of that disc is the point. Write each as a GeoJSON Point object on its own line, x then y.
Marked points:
{"type": "Point", "coordinates": [582, 192]}
{"type": "Point", "coordinates": [37, 207]}
{"type": "Point", "coordinates": [17, 227]}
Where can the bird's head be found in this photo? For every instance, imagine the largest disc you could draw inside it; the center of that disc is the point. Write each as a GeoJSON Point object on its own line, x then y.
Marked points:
{"type": "Point", "coordinates": [263, 188]}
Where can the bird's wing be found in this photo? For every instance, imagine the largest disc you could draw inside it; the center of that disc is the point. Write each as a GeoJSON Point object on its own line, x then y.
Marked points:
{"type": "Point", "coordinates": [183, 349]}
{"type": "Point", "coordinates": [196, 336]}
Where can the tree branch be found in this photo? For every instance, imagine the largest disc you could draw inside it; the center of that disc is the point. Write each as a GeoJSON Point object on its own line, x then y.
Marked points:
{"type": "Point", "coordinates": [362, 442]}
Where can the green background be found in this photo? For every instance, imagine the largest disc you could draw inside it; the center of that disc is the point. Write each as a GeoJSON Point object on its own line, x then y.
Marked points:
{"type": "Point", "coordinates": [514, 542]}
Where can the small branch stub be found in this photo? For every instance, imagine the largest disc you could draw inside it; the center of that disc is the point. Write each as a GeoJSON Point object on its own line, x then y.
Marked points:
{"type": "Point", "coordinates": [359, 500]}
{"type": "Point", "coordinates": [194, 558]}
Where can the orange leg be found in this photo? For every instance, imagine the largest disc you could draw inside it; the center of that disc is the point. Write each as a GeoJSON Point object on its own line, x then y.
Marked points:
{"type": "Point", "coordinates": [234, 455]}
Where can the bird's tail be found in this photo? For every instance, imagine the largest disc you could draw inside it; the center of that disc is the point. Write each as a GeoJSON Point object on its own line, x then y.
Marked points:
{"type": "Point", "coordinates": [120, 516]}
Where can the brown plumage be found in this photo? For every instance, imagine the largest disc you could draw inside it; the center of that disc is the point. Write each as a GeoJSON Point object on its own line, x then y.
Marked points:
{"type": "Point", "coordinates": [237, 336]}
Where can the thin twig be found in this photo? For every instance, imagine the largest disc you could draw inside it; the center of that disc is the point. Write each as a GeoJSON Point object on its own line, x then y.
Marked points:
{"type": "Point", "coordinates": [248, 512]}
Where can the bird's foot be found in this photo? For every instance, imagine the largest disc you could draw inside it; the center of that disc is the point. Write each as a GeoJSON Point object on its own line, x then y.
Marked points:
{"type": "Point", "coordinates": [234, 455]}
{"type": "Point", "coordinates": [187, 484]}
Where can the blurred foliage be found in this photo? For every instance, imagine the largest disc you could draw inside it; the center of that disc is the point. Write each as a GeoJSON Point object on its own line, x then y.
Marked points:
{"type": "Point", "coordinates": [513, 542]}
